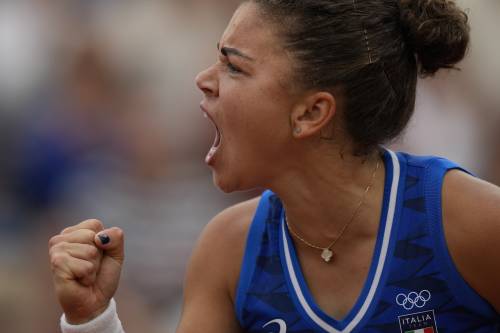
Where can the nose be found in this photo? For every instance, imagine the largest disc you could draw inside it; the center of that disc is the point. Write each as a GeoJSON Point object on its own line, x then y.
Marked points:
{"type": "Point", "coordinates": [207, 82]}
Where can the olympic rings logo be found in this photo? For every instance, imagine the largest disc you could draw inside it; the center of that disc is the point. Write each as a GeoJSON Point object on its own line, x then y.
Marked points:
{"type": "Point", "coordinates": [413, 299]}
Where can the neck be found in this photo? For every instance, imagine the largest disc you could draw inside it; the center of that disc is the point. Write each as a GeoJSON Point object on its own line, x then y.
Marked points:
{"type": "Point", "coordinates": [321, 194]}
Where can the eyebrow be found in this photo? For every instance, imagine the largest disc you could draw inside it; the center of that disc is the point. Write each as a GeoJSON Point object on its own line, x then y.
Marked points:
{"type": "Point", "coordinates": [232, 51]}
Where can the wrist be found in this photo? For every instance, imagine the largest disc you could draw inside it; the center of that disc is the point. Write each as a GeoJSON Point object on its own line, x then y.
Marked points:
{"type": "Point", "coordinates": [73, 319]}
{"type": "Point", "coordinates": [106, 322]}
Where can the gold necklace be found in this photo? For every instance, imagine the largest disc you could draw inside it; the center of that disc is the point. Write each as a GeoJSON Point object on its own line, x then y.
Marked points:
{"type": "Point", "coordinates": [326, 252]}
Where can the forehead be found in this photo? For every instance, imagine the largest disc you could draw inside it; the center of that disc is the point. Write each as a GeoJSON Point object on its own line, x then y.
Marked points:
{"type": "Point", "coordinates": [249, 32]}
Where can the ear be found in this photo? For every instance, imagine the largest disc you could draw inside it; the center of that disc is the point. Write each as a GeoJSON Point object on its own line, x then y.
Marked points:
{"type": "Point", "coordinates": [311, 115]}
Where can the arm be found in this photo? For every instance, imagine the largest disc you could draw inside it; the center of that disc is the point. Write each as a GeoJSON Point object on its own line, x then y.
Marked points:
{"type": "Point", "coordinates": [213, 273]}
{"type": "Point", "coordinates": [210, 284]}
{"type": "Point", "coordinates": [471, 219]}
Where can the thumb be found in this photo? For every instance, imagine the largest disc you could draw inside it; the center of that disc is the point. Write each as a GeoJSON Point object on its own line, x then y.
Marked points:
{"type": "Point", "coordinates": [111, 241]}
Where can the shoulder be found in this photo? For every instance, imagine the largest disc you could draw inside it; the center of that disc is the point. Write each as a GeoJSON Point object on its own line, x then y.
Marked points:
{"type": "Point", "coordinates": [213, 271]}
{"type": "Point", "coordinates": [235, 219]}
{"type": "Point", "coordinates": [229, 229]}
{"type": "Point", "coordinates": [471, 219]}
{"type": "Point", "coordinates": [220, 248]}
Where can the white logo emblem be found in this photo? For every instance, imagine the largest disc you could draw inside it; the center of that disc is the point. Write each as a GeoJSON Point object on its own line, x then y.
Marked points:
{"type": "Point", "coordinates": [413, 299]}
{"type": "Point", "coordinates": [280, 322]}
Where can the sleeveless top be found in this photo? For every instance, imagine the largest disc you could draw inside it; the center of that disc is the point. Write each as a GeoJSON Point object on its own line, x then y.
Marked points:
{"type": "Point", "coordinates": [412, 284]}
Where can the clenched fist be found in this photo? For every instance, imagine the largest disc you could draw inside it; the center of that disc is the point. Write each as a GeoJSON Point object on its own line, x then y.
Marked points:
{"type": "Point", "coordinates": [86, 262]}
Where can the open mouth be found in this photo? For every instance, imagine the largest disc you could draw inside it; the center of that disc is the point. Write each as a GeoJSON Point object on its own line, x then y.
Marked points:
{"type": "Point", "coordinates": [217, 141]}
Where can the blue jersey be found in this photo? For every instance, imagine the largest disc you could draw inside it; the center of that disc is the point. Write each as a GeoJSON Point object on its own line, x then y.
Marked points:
{"type": "Point", "coordinates": [412, 284]}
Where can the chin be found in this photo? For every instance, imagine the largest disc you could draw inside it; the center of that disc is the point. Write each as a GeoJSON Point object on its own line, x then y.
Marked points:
{"type": "Point", "coordinates": [230, 184]}
{"type": "Point", "coordinates": [223, 183]}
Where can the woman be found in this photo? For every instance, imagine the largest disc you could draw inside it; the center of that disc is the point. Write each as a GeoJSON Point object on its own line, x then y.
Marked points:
{"type": "Point", "coordinates": [353, 237]}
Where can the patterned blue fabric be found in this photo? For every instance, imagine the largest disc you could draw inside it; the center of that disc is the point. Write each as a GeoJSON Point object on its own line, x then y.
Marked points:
{"type": "Point", "coordinates": [412, 283]}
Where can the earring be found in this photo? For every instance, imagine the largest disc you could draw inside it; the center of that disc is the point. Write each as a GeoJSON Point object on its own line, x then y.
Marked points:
{"type": "Point", "coordinates": [297, 130]}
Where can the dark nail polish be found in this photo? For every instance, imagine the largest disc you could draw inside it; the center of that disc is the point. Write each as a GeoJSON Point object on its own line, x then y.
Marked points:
{"type": "Point", "coordinates": [104, 239]}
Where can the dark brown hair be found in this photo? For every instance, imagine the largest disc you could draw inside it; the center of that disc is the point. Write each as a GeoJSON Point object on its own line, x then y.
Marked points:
{"type": "Point", "coordinates": [373, 51]}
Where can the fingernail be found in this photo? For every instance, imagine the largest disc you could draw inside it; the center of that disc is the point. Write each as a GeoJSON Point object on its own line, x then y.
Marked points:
{"type": "Point", "coordinates": [104, 239]}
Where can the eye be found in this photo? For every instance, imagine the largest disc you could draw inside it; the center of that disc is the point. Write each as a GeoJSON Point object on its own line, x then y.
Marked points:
{"type": "Point", "coordinates": [232, 68]}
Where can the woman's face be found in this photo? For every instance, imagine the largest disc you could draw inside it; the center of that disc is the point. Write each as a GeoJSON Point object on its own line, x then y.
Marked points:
{"type": "Point", "coordinates": [247, 96]}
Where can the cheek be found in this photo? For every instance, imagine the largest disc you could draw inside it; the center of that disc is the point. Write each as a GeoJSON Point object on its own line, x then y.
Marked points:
{"type": "Point", "coordinates": [257, 122]}
{"type": "Point", "coordinates": [254, 142]}
{"type": "Point", "coordinates": [256, 115]}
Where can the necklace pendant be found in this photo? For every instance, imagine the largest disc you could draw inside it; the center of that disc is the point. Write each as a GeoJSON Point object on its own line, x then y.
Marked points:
{"type": "Point", "coordinates": [327, 255]}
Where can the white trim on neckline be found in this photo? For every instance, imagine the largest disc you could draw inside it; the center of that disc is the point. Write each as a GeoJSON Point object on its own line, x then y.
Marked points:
{"type": "Point", "coordinates": [378, 272]}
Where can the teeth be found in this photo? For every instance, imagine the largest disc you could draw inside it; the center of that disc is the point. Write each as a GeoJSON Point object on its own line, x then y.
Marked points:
{"type": "Point", "coordinates": [210, 155]}
{"type": "Point", "coordinates": [217, 138]}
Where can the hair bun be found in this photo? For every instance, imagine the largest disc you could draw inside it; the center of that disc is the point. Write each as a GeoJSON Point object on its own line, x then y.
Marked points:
{"type": "Point", "coordinates": [437, 31]}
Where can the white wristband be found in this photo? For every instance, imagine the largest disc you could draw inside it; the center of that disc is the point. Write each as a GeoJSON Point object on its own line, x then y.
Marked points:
{"type": "Point", "coordinates": [106, 322]}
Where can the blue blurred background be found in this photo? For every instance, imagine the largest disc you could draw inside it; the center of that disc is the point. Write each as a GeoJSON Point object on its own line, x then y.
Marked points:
{"type": "Point", "coordinates": [99, 118]}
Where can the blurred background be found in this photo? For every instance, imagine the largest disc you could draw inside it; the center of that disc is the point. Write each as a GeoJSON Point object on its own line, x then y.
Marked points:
{"type": "Point", "coordinates": [99, 118]}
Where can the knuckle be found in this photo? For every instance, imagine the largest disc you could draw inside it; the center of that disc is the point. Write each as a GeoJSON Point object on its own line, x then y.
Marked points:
{"type": "Point", "coordinates": [90, 236]}
{"type": "Point", "coordinates": [63, 245]}
{"type": "Point", "coordinates": [57, 248]}
{"type": "Point", "coordinates": [54, 240]}
{"type": "Point", "coordinates": [57, 259]}
{"type": "Point", "coordinates": [87, 235]}
{"type": "Point", "coordinates": [66, 230]}
{"type": "Point", "coordinates": [95, 224]}
{"type": "Point", "coordinates": [87, 232]}
{"type": "Point", "coordinates": [89, 268]}
{"type": "Point", "coordinates": [93, 252]}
